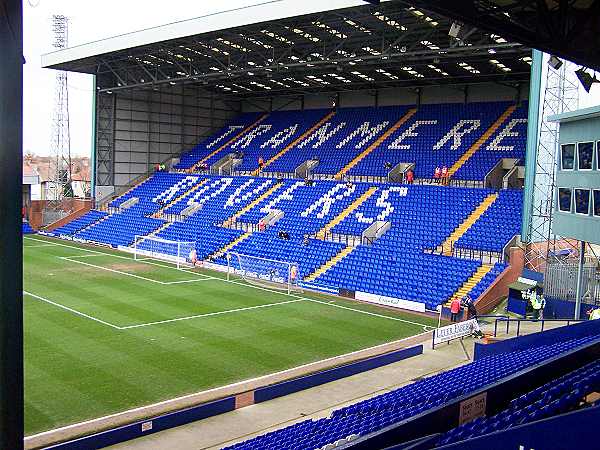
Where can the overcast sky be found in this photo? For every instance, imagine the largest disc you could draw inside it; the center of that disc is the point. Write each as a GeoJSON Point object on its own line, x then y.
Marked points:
{"type": "Point", "coordinates": [91, 21]}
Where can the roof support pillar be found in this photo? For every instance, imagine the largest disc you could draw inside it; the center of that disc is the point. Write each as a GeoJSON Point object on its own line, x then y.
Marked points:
{"type": "Point", "coordinates": [11, 241]}
{"type": "Point", "coordinates": [535, 87]}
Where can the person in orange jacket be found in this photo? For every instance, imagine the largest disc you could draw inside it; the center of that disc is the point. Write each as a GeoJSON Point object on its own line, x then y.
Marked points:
{"type": "Point", "coordinates": [454, 309]}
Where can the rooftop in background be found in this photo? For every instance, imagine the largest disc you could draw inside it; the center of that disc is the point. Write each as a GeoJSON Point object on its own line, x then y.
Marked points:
{"type": "Point", "coordinates": [286, 47]}
{"type": "Point", "coordinates": [579, 114]}
{"type": "Point", "coordinates": [42, 167]}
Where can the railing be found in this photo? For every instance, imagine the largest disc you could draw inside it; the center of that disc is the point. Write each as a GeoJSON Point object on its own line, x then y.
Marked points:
{"type": "Point", "coordinates": [245, 226]}
{"type": "Point", "coordinates": [131, 183]}
{"type": "Point", "coordinates": [506, 249]}
{"type": "Point", "coordinates": [484, 256]}
{"type": "Point", "coordinates": [465, 183]}
{"type": "Point", "coordinates": [348, 239]}
{"type": "Point", "coordinates": [541, 321]}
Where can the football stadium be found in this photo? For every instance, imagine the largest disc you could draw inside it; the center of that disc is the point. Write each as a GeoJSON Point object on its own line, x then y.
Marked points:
{"type": "Point", "coordinates": [309, 225]}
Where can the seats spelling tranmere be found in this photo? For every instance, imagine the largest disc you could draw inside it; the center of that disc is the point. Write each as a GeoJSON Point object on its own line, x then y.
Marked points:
{"type": "Point", "coordinates": [367, 141]}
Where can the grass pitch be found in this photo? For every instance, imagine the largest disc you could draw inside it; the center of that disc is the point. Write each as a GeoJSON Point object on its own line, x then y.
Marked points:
{"type": "Point", "coordinates": [105, 333]}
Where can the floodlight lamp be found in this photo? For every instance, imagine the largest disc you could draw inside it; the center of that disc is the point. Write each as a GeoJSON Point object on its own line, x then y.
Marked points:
{"type": "Point", "coordinates": [555, 62]}
{"type": "Point", "coordinates": [585, 79]}
{"type": "Point", "coordinates": [456, 30]}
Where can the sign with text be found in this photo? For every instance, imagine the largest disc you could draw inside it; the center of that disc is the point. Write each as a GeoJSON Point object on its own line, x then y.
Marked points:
{"type": "Point", "coordinates": [389, 301]}
{"type": "Point", "coordinates": [454, 331]}
{"type": "Point", "coordinates": [472, 408]}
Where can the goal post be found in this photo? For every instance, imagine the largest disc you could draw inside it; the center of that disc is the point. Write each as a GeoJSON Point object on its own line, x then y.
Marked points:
{"type": "Point", "coordinates": [180, 253]}
{"type": "Point", "coordinates": [262, 271]}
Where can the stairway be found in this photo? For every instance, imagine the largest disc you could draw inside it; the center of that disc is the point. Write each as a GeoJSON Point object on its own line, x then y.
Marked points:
{"type": "Point", "coordinates": [374, 145]}
{"type": "Point", "coordinates": [229, 246]}
{"type": "Point", "coordinates": [467, 223]}
{"type": "Point", "coordinates": [482, 140]}
{"type": "Point", "coordinates": [468, 285]}
{"type": "Point", "coordinates": [329, 264]}
{"type": "Point", "coordinates": [158, 214]}
{"type": "Point", "coordinates": [346, 212]}
{"type": "Point", "coordinates": [229, 142]}
{"type": "Point", "coordinates": [296, 142]}
{"type": "Point", "coordinates": [251, 205]}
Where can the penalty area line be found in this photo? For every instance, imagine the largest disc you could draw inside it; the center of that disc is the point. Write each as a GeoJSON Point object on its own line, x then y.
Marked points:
{"type": "Point", "coordinates": [373, 314]}
{"type": "Point", "coordinates": [210, 277]}
{"type": "Point", "coordinates": [71, 310]}
{"type": "Point", "coordinates": [218, 313]}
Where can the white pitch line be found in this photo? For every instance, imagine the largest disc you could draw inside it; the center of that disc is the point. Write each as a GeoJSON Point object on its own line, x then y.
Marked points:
{"type": "Point", "coordinates": [98, 253]}
{"type": "Point", "coordinates": [164, 283]}
{"type": "Point", "coordinates": [91, 255]}
{"type": "Point", "coordinates": [251, 286]}
{"type": "Point", "coordinates": [112, 270]}
{"type": "Point", "coordinates": [38, 246]}
{"type": "Point", "coordinates": [74, 311]}
{"type": "Point", "coordinates": [370, 313]}
{"type": "Point", "coordinates": [217, 313]}
{"type": "Point", "coordinates": [187, 281]}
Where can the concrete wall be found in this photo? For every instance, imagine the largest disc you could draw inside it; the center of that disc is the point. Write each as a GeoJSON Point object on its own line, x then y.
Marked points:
{"type": "Point", "coordinates": [78, 207]}
{"type": "Point", "coordinates": [488, 300]}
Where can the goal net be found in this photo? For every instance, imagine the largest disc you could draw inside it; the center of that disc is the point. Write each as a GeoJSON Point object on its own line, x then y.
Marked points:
{"type": "Point", "coordinates": [262, 271]}
{"type": "Point", "coordinates": [181, 253]}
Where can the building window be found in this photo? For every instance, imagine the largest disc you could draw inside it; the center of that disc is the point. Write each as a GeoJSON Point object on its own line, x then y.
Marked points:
{"type": "Point", "coordinates": [564, 199]}
{"type": "Point", "coordinates": [567, 156]}
{"type": "Point", "coordinates": [582, 201]}
{"type": "Point", "coordinates": [585, 154]}
{"type": "Point", "coordinates": [597, 202]}
{"type": "Point", "coordinates": [598, 155]}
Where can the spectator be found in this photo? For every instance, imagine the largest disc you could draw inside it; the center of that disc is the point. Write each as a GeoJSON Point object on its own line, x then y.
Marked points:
{"type": "Point", "coordinates": [163, 167]}
{"type": "Point", "coordinates": [594, 313]}
{"type": "Point", "coordinates": [542, 302]}
{"type": "Point", "coordinates": [477, 329]}
{"type": "Point", "coordinates": [410, 176]}
{"type": "Point", "coordinates": [156, 167]}
{"type": "Point", "coordinates": [444, 175]}
{"type": "Point", "coordinates": [261, 162]}
{"type": "Point", "coordinates": [193, 257]}
{"type": "Point", "coordinates": [261, 225]}
{"type": "Point", "coordinates": [536, 304]}
{"type": "Point", "coordinates": [437, 174]}
{"type": "Point", "coordinates": [348, 184]}
{"type": "Point", "coordinates": [454, 309]}
{"type": "Point", "coordinates": [387, 165]}
{"type": "Point", "coordinates": [305, 240]}
{"type": "Point", "coordinates": [469, 304]}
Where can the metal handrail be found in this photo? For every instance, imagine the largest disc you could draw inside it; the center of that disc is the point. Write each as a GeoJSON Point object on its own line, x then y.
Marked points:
{"type": "Point", "coordinates": [542, 321]}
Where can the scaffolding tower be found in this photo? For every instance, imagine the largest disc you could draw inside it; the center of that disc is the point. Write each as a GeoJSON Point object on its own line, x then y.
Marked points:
{"type": "Point", "coordinates": [561, 94]}
{"type": "Point", "coordinates": [59, 170]}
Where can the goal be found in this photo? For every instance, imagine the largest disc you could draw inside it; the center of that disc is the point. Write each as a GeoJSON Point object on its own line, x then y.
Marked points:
{"type": "Point", "coordinates": [262, 271]}
{"type": "Point", "coordinates": [181, 253]}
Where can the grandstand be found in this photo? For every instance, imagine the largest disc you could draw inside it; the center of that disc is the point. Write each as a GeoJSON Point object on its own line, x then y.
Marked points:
{"type": "Point", "coordinates": [297, 235]}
